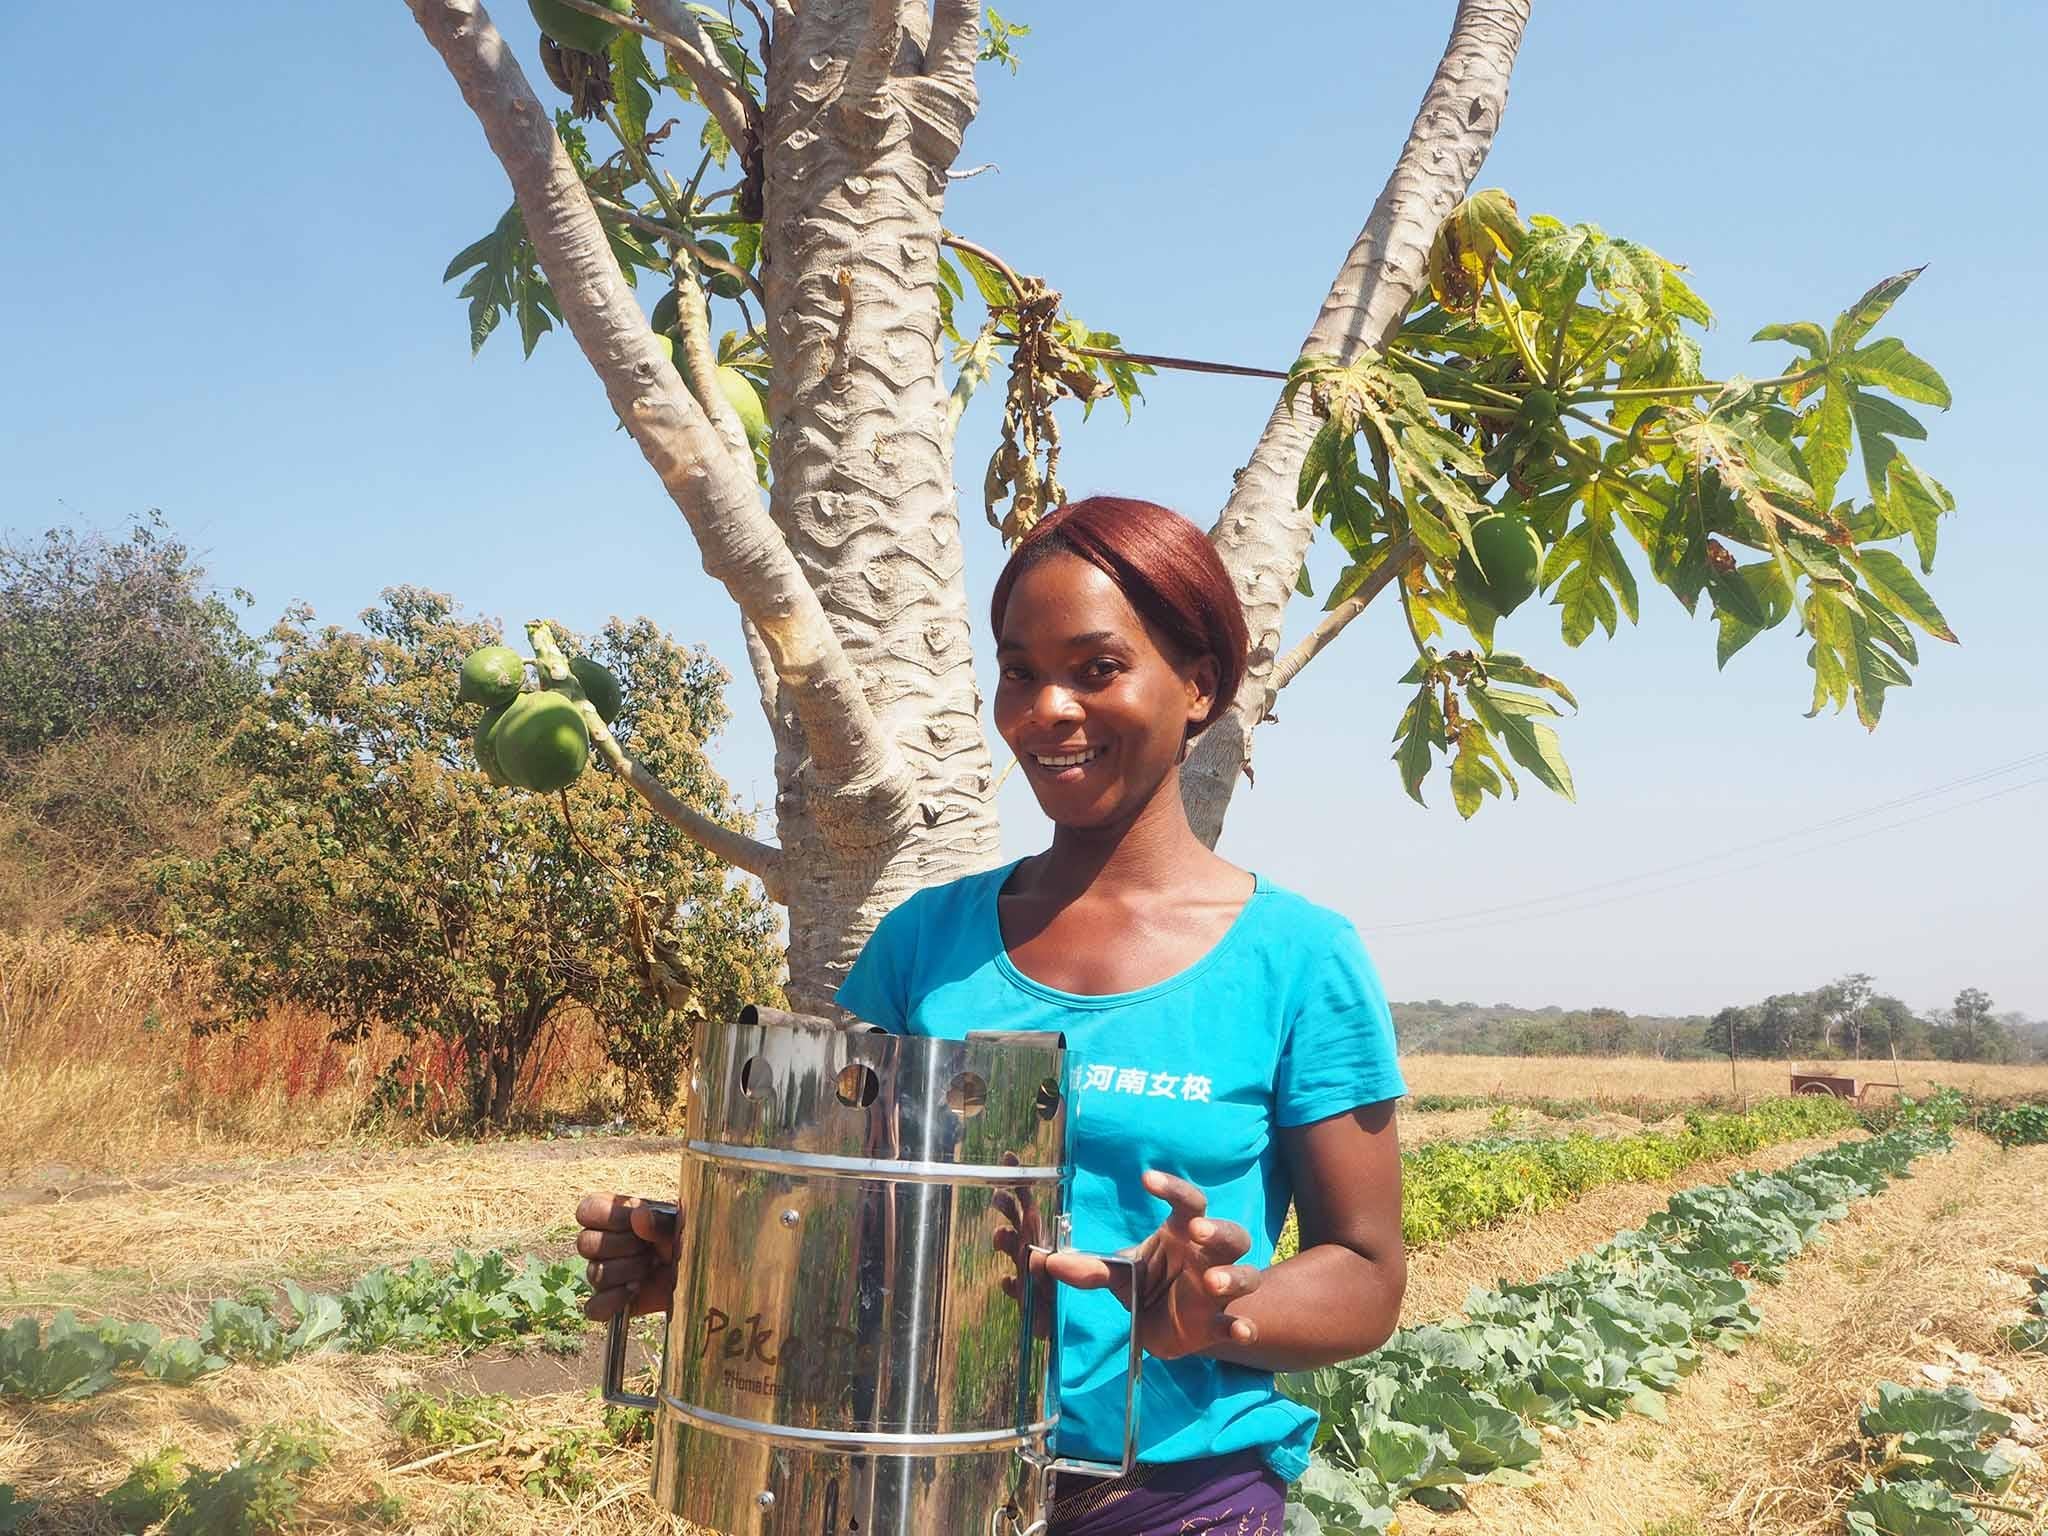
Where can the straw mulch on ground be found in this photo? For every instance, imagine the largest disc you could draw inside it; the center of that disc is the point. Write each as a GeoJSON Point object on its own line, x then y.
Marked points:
{"type": "Point", "coordinates": [1765, 1440]}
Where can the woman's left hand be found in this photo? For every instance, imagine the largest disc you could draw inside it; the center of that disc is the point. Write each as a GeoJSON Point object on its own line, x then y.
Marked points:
{"type": "Point", "coordinates": [1187, 1276]}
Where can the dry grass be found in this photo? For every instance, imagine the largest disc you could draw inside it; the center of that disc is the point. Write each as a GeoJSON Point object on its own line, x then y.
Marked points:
{"type": "Point", "coordinates": [100, 1068]}
{"type": "Point", "coordinates": [67, 1455]}
{"type": "Point", "coordinates": [1765, 1440]}
{"type": "Point", "coordinates": [161, 1248]}
{"type": "Point", "coordinates": [1624, 1080]}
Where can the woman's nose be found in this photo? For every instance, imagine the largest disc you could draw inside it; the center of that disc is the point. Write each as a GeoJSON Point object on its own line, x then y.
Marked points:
{"type": "Point", "coordinates": [1056, 703]}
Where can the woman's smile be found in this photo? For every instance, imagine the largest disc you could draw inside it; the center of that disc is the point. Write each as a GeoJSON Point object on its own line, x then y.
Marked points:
{"type": "Point", "coordinates": [1068, 766]}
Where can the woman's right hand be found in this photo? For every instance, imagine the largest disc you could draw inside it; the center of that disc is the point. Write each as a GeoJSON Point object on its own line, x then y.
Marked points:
{"type": "Point", "coordinates": [629, 1243]}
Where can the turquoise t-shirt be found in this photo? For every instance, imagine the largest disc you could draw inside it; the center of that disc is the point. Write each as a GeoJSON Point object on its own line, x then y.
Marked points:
{"type": "Point", "coordinates": [1283, 1022]}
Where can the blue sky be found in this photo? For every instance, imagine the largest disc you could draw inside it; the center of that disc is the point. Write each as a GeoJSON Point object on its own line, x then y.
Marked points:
{"type": "Point", "coordinates": [219, 286]}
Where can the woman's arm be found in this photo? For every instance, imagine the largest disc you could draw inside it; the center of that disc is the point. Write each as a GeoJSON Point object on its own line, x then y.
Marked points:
{"type": "Point", "coordinates": [1340, 1295]}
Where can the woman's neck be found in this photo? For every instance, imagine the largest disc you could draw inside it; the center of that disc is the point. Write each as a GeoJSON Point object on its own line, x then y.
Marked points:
{"type": "Point", "coordinates": [1154, 850]}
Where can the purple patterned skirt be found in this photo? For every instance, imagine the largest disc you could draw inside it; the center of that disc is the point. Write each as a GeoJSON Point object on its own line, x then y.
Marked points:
{"type": "Point", "coordinates": [1235, 1495]}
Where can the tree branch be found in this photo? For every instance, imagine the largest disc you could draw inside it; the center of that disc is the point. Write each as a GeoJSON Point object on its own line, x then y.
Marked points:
{"type": "Point", "coordinates": [698, 254]}
{"type": "Point", "coordinates": [956, 41]}
{"type": "Point", "coordinates": [1398, 559]}
{"type": "Point", "coordinates": [693, 326]}
{"type": "Point", "coordinates": [683, 35]}
{"type": "Point", "coordinates": [856, 764]}
{"type": "Point", "coordinates": [734, 847]}
{"type": "Point", "coordinates": [862, 107]}
{"type": "Point", "coordinates": [1262, 534]}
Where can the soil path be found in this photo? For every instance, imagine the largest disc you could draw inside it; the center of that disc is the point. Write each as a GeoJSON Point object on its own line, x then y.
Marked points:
{"type": "Point", "coordinates": [1764, 1440]}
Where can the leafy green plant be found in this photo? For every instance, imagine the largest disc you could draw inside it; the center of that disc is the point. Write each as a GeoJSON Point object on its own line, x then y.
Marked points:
{"type": "Point", "coordinates": [545, 1462]}
{"type": "Point", "coordinates": [1911, 1508]}
{"type": "Point", "coordinates": [2023, 1125]}
{"type": "Point", "coordinates": [429, 1423]}
{"type": "Point", "coordinates": [471, 1301]}
{"type": "Point", "coordinates": [257, 1494]}
{"type": "Point", "coordinates": [15, 1511]}
{"type": "Point", "coordinates": [1936, 1434]}
{"type": "Point", "coordinates": [150, 1490]}
{"type": "Point", "coordinates": [1446, 1404]}
{"type": "Point", "coordinates": [2030, 1333]}
{"type": "Point", "coordinates": [1448, 1187]}
{"type": "Point", "coordinates": [72, 1360]}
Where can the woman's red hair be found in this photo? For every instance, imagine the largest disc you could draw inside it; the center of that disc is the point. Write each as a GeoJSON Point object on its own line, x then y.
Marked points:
{"type": "Point", "coordinates": [1164, 566]}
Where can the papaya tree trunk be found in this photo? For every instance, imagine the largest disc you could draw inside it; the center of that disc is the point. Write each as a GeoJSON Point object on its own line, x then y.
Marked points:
{"type": "Point", "coordinates": [863, 462]}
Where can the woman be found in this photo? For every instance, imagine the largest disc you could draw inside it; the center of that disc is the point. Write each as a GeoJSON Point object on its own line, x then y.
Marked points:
{"type": "Point", "coordinates": [1230, 1046]}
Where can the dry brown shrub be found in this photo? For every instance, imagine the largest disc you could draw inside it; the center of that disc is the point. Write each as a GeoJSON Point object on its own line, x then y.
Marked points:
{"type": "Point", "coordinates": [101, 1066]}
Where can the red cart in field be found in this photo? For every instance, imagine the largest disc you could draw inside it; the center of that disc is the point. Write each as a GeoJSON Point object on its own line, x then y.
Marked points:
{"type": "Point", "coordinates": [1836, 1087]}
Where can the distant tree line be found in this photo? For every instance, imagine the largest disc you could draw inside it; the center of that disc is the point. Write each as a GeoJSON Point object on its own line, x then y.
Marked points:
{"type": "Point", "coordinates": [1850, 1018]}
{"type": "Point", "coordinates": [1846, 1019]}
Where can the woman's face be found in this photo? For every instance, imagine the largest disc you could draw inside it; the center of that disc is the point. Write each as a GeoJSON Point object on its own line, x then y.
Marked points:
{"type": "Point", "coordinates": [1089, 699]}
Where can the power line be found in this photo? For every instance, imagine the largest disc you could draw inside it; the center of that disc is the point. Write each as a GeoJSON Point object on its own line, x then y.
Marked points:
{"type": "Point", "coordinates": [1474, 916]}
{"type": "Point", "coordinates": [1658, 890]}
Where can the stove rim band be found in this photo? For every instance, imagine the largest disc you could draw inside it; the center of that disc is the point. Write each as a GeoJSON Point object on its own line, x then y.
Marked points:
{"type": "Point", "coordinates": [907, 1171]}
{"type": "Point", "coordinates": [855, 1442]}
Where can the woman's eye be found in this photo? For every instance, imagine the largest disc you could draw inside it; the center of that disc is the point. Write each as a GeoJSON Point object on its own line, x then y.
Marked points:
{"type": "Point", "coordinates": [1101, 668]}
{"type": "Point", "coordinates": [1015, 674]}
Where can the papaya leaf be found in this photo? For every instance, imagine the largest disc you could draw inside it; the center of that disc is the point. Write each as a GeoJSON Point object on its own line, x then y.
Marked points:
{"type": "Point", "coordinates": [991, 284]}
{"type": "Point", "coordinates": [1420, 730]}
{"type": "Point", "coordinates": [996, 37]}
{"type": "Point", "coordinates": [1505, 667]}
{"type": "Point", "coordinates": [1586, 574]}
{"type": "Point", "coordinates": [1886, 575]}
{"type": "Point", "coordinates": [633, 84]}
{"type": "Point", "coordinates": [1803, 334]}
{"type": "Point", "coordinates": [1680, 300]}
{"type": "Point", "coordinates": [1855, 322]}
{"type": "Point", "coordinates": [1916, 500]}
{"type": "Point", "coordinates": [1889, 630]}
{"type": "Point", "coordinates": [1473, 774]}
{"type": "Point", "coordinates": [950, 290]}
{"type": "Point", "coordinates": [1733, 636]}
{"type": "Point", "coordinates": [1474, 236]}
{"type": "Point", "coordinates": [1735, 596]}
{"type": "Point", "coordinates": [1877, 421]}
{"type": "Point", "coordinates": [1356, 575]}
{"type": "Point", "coordinates": [1886, 364]}
{"type": "Point", "coordinates": [1529, 741]}
{"type": "Point", "coordinates": [1772, 596]}
{"type": "Point", "coordinates": [1827, 440]}
{"type": "Point", "coordinates": [507, 279]}
{"type": "Point", "coordinates": [1318, 463]}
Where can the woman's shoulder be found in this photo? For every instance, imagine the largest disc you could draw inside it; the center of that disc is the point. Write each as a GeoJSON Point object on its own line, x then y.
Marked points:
{"type": "Point", "coordinates": [1286, 912]}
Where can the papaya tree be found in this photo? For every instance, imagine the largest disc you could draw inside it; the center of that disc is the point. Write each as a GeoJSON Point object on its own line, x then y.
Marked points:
{"type": "Point", "coordinates": [1484, 407]}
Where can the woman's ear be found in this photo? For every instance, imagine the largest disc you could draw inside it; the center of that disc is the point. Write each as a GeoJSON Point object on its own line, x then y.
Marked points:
{"type": "Point", "coordinates": [1203, 677]}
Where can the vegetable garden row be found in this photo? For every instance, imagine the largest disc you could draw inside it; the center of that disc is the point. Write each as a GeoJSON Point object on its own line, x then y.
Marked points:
{"type": "Point", "coordinates": [1442, 1406]}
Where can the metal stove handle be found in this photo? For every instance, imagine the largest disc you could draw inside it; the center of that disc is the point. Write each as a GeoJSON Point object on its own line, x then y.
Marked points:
{"type": "Point", "coordinates": [617, 1336]}
{"type": "Point", "coordinates": [1134, 1366]}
